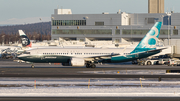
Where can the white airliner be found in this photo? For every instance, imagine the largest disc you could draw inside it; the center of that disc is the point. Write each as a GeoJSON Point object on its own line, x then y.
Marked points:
{"type": "Point", "coordinates": [90, 56]}
{"type": "Point", "coordinates": [27, 44]}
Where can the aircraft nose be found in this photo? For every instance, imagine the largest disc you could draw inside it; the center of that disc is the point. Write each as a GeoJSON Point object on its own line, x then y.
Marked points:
{"type": "Point", "coordinates": [21, 57]}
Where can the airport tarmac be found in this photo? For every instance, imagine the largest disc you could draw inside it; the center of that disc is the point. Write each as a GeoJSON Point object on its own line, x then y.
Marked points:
{"type": "Point", "coordinates": [106, 82]}
{"type": "Point", "coordinates": [14, 69]}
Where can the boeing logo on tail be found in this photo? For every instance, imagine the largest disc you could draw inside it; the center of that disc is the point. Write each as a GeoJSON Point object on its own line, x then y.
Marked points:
{"type": "Point", "coordinates": [150, 40]}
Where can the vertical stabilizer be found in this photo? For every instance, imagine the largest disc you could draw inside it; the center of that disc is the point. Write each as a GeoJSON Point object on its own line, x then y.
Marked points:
{"type": "Point", "coordinates": [24, 39]}
{"type": "Point", "coordinates": [150, 40]}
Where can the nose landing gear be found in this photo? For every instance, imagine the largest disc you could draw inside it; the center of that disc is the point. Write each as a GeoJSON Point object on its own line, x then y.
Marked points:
{"type": "Point", "coordinates": [32, 66]}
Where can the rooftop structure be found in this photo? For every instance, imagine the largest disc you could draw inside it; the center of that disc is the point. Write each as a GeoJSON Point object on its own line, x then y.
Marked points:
{"type": "Point", "coordinates": [155, 6]}
{"type": "Point", "coordinates": [117, 27]}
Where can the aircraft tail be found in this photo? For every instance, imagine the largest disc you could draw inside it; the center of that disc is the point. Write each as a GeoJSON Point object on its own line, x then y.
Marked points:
{"type": "Point", "coordinates": [150, 40]}
{"type": "Point", "coordinates": [24, 39]}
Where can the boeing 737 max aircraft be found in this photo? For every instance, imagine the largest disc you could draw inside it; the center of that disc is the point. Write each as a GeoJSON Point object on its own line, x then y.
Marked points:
{"type": "Point", "coordinates": [90, 56]}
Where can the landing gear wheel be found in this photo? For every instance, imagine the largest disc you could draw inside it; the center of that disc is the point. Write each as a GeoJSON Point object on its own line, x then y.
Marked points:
{"type": "Point", "coordinates": [90, 65]}
{"type": "Point", "coordinates": [93, 66]}
{"type": "Point", "coordinates": [148, 63]}
{"type": "Point", "coordinates": [157, 63]}
{"type": "Point", "coordinates": [32, 66]}
{"type": "Point", "coordinates": [87, 66]}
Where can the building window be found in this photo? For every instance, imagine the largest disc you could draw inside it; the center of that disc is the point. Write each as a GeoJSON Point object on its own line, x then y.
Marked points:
{"type": "Point", "coordinates": [175, 32]}
{"type": "Point", "coordinates": [99, 23]}
{"type": "Point", "coordinates": [68, 22]}
{"type": "Point", "coordinates": [150, 20]}
{"type": "Point", "coordinates": [164, 32]}
{"type": "Point", "coordinates": [80, 31]}
{"type": "Point", "coordinates": [144, 32]}
{"type": "Point", "coordinates": [117, 31]}
{"type": "Point", "coordinates": [134, 32]}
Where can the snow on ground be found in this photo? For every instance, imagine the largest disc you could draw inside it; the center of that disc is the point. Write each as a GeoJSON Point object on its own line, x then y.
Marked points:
{"type": "Point", "coordinates": [97, 87]}
{"type": "Point", "coordinates": [128, 72]}
{"type": "Point", "coordinates": [73, 91]}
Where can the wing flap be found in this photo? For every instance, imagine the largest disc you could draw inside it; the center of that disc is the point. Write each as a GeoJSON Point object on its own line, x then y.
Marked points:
{"type": "Point", "coordinates": [151, 50]}
{"type": "Point", "coordinates": [103, 56]}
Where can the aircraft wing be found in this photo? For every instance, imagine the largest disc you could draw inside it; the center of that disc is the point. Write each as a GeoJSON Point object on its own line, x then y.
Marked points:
{"type": "Point", "coordinates": [151, 50]}
{"type": "Point", "coordinates": [101, 57]}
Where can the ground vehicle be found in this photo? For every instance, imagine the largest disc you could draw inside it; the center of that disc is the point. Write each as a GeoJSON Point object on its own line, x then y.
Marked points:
{"type": "Point", "coordinates": [173, 62]}
{"type": "Point", "coordinates": [163, 61]}
{"type": "Point", "coordinates": [153, 61]}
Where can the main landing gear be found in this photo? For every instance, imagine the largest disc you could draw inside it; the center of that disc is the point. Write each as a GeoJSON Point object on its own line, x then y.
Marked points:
{"type": "Point", "coordinates": [32, 66]}
{"type": "Point", "coordinates": [90, 65]}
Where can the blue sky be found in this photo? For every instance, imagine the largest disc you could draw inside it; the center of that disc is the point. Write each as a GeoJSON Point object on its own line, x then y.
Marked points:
{"type": "Point", "coordinates": [29, 11]}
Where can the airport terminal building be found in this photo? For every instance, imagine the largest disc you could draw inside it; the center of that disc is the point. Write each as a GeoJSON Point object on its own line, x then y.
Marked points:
{"type": "Point", "coordinates": [117, 27]}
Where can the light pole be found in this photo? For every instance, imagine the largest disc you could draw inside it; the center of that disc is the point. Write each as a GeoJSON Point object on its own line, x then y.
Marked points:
{"type": "Point", "coordinates": [52, 24]}
{"type": "Point", "coordinates": [168, 14]}
{"type": "Point", "coordinates": [162, 18]}
{"type": "Point", "coordinates": [3, 40]}
{"type": "Point", "coordinates": [41, 28]}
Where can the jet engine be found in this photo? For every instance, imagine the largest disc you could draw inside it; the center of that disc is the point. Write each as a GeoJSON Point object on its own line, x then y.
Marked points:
{"type": "Point", "coordinates": [76, 62]}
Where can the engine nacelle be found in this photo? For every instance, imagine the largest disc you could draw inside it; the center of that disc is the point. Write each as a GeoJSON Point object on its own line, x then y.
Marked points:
{"type": "Point", "coordinates": [77, 62]}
